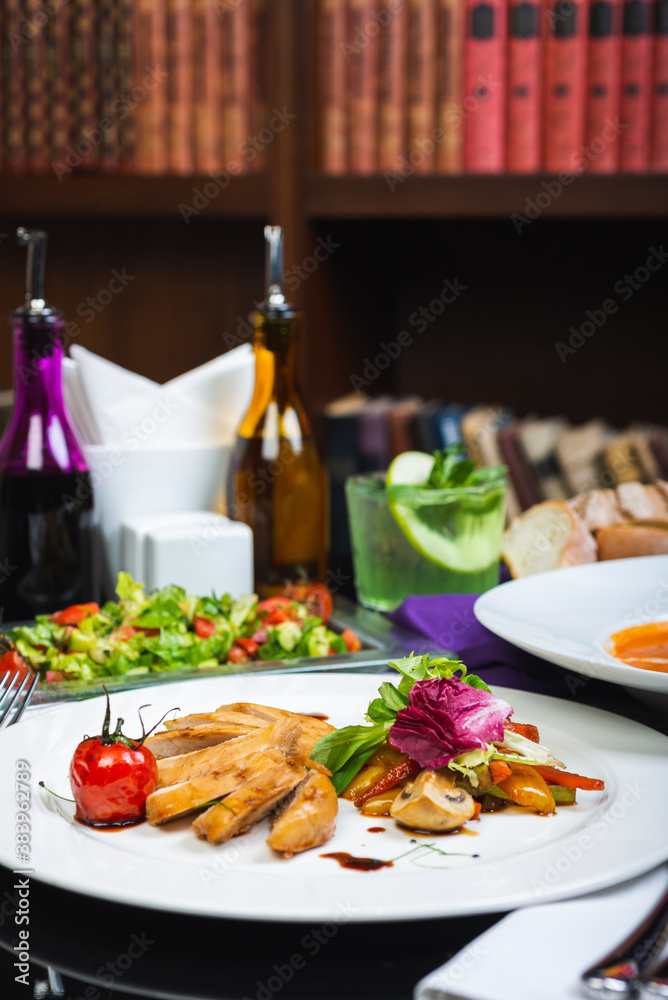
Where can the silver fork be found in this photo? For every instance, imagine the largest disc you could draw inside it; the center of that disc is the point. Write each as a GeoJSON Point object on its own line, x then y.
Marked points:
{"type": "Point", "coordinates": [15, 698]}
{"type": "Point", "coordinates": [621, 973]}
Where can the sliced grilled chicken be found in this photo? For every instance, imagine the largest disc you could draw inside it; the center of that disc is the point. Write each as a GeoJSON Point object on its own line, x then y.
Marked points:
{"type": "Point", "coordinates": [178, 800]}
{"type": "Point", "coordinates": [318, 726]}
{"type": "Point", "coordinates": [180, 741]}
{"type": "Point", "coordinates": [432, 803]}
{"type": "Point", "coordinates": [283, 735]}
{"type": "Point", "coordinates": [250, 803]}
{"type": "Point", "coordinates": [215, 718]}
{"type": "Point", "coordinates": [307, 818]}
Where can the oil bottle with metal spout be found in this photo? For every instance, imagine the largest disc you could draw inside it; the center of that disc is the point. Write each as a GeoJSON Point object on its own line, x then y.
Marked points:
{"type": "Point", "coordinates": [277, 482]}
{"type": "Point", "coordinates": [46, 500]}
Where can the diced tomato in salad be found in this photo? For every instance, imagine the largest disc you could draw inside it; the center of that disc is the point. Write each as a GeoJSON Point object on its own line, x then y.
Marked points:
{"type": "Point", "coordinates": [75, 614]}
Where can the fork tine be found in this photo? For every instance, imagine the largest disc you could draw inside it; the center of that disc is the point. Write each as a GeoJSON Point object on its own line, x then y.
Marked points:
{"type": "Point", "coordinates": [26, 699]}
{"type": "Point", "coordinates": [10, 695]}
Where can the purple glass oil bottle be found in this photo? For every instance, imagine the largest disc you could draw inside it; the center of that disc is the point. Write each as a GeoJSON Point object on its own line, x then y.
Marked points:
{"type": "Point", "coordinates": [46, 499]}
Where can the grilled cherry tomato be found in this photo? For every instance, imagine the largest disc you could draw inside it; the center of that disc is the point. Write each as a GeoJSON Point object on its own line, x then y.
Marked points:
{"type": "Point", "coordinates": [204, 627]}
{"type": "Point", "coordinates": [75, 614]}
{"type": "Point", "coordinates": [315, 596]}
{"type": "Point", "coordinates": [111, 777]}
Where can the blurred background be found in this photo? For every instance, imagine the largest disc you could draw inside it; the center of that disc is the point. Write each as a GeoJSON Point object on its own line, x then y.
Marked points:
{"type": "Point", "coordinates": [485, 182]}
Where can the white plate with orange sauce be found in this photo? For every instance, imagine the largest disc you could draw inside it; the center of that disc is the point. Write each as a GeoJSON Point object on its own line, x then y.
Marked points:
{"type": "Point", "coordinates": [569, 616]}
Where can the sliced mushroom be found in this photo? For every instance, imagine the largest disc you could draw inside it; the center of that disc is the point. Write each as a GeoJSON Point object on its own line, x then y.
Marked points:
{"type": "Point", "coordinates": [432, 803]}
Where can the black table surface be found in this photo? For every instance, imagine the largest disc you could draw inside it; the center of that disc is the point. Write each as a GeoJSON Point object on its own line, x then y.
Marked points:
{"type": "Point", "coordinates": [106, 950]}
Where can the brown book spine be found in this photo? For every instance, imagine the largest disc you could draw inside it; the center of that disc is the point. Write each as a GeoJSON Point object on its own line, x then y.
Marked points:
{"type": "Point", "coordinates": [58, 89]}
{"type": "Point", "coordinates": [110, 94]}
{"type": "Point", "coordinates": [84, 78]}
{"type": "Point", "coordinates": [363, 51]}
{"type": "Point", "coordinates": [151, 69]}
{"type": "Point", "coordinates": [14, 64]}
{"type": "Point", "coordinates": [37, 114]}
{"type": "Point", "coordinates": [179, 57]}
{"type": "Point", "coordinates": [393, 75]}
{"type": "Point", "coordinates": [236, 87]}
{"type": "Point", "coordinates": [333, 56]}
{"type": "Point", "coordinates": [255, 150]}
{"type": "Point", "coordinates": [206, 60]}
{"type": "Point", "coordinates": [450, 85]}
{"type": "Point", "coordinates": [134, 91]}
{"type": "Point", "coordinates": [422, 85]}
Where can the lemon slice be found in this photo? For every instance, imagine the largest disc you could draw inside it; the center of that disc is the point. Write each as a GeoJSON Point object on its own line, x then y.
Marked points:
{"type": "Point", "coordinates": [444, 526]}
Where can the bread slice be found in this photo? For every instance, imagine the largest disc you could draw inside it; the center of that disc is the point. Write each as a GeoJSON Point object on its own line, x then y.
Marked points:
{"type": "Point", "coordinates": [642, 503]}
{"type": "Point", "coordinates": [547, 536]}
{"type": "Point", "coordinates": [597, 509]}
{"type": "Point", "coordinates": [622, 541]}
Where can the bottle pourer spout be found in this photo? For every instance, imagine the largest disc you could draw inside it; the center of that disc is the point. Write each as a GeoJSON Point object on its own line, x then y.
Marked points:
{"type": "Point", "coordinates": [35, 240]}
{"type": "Point", "coordinates": [274, 267]}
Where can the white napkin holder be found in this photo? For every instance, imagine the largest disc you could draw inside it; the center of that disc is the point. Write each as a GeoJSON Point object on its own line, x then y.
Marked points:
{"type": "Point", "coordinates": [197, 550]}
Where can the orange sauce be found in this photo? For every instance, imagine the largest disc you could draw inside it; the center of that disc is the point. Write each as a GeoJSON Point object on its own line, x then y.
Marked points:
{"type": "Point", "coordinates": [643, 646]}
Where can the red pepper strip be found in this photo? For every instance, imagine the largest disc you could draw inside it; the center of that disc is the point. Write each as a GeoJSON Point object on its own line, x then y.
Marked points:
{"type": "Point", "coordinates": [404, 769]}
{"type": "Point", "coordinates": [498, 770]}
{"type": "Point", "coordinates": [568, 780]}
{"type": "Point", "coordinates": [477, 806]}
{"type": "Point", "coordinates": [524, 729]}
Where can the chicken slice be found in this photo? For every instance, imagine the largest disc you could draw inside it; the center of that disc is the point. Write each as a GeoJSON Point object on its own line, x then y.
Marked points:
{"type": "Point", "coordinates": [283, 735]}
{"type": "Point", "coordinates": [250, 803]}
{"type": "Point", "coordinates": [175, 801]}
{"type": "Point", "coordinates": [307, 818]}
{"type": "Point", "coordinates": [215, 718]}
{"type": "Point", "coordinates": [180, 741]}
{"type": "Point", "coordinates": [270, 714]}
{"type": "Point", "coordinates": [432, 803]}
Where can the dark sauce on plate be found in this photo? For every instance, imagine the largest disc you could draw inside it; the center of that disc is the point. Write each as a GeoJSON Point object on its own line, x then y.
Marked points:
{"type": "Point", "coordinates": [358, 864]}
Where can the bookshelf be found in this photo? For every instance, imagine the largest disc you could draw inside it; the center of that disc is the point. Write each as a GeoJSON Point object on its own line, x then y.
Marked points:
{"type": "Point", "coordinates": [193, 281]}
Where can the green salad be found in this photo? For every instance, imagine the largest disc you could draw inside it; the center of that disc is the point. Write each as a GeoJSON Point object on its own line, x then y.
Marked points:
{"type": "Point", "coordinates": [169, 630]}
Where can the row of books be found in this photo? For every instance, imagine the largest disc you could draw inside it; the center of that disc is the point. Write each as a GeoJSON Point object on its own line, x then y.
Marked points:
{"type": "Point", "coordinates": [136, 86]}
{"type": "Point", "coordinates": [487, 86]}
{"type": "Point", "coordinates": [546, 458]}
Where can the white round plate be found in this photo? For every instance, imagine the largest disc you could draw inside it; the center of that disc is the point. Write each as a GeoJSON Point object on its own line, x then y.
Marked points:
{"type": "Point", "coordinates": [522, 858]}
{"type": "Point", "coordinates": [566, 616]}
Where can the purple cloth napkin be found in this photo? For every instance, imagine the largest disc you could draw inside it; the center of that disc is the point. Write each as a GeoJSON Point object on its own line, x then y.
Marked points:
{"type": "Point", "coordinates": [446, 622]}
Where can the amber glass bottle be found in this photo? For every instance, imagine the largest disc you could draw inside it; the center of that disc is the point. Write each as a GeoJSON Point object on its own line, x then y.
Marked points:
{"type": "Point", "coordinates": [277, 482]}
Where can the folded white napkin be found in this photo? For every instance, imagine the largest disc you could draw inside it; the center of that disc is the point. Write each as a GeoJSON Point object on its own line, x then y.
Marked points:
{"type": "Point", "coordinates": [113, 406]}
{"type": "Point", "coordinates": [540, 952]}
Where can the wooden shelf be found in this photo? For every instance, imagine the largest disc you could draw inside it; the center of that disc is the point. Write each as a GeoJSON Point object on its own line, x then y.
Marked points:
{"type": "Point", "coordinates": [80, 195]}
{"type": "Point", "coordinates": [422, 196]}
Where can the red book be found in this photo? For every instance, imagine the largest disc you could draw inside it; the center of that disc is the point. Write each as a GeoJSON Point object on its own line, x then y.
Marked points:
{"type": "Point", "coordinates": [485, 86]}
{"type": "Point", "coordinates": [363, 52]}
{"type": "Point", "coordinates": [206, 67]}
{"type": "Point", "coordinates": [150, 34]}
{"type": "Point", "coordinates": [333, 55]}
{"type": "Point", "coordinates": [393, 74]}
{"type": "Point", "coordinates": [659, 128]}
{"type": "Point", "coordinates": [180, 86]}
{"type": "Point", "coordinates": [525, 24]}
{"type": "Point", "coordinates": [564, 86]}
{"type": "Point", "coordinates": [602, 130]}
{"type": "Point", "coordinates": [236, 87]}
{"type": "Point", "coordinates": [636, 88]}
{"type": "Point", "coordinates": [450, 85]}
{"type": "Point", "coordinates": [422, 85]}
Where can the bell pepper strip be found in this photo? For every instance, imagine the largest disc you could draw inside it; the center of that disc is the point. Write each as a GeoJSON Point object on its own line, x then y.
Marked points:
{"type": "Point", "coordinates": [498, 770]}
{"type": "Point", "coordinates": [524, 729]}
{"type": "Point", "coordinates": [477, 806]}
{"type": "Point", "coordinates": [75, 614]}
{"type": "Point", "coordinates": [568, 780]}
{"type": "Point", "coordinates": [404, 769]}
{"type": "Point", "coordinates": [528, 788]}
{"type": "Point", "coordinates": [352, 641]}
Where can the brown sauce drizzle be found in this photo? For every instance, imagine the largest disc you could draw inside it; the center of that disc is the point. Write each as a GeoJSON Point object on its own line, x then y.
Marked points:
{"type": "Point", "coordinates": [111, 827]}
{"type": "Point", "coordinates": [316, 715]}
{"type": "Point", "coordinates": [436, 833]}
{"type": "Point", "coordinates": [357, 864]}
{"type": "Point", "coordinates": [376, 829]}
